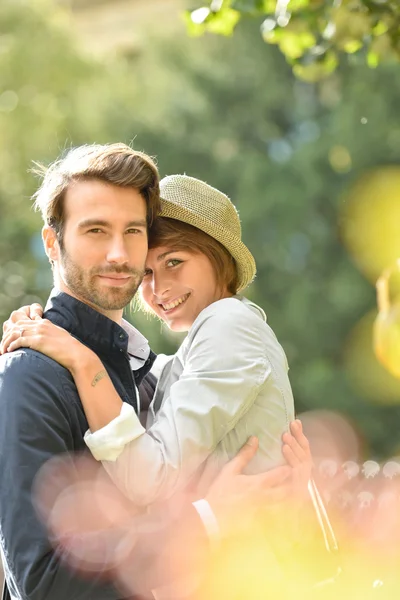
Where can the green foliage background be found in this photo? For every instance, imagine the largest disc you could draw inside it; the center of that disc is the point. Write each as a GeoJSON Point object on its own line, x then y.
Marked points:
{"type": "Point", "coordinates": [231, 112]}
{"type": "Point", "coordinates": [312, 34]}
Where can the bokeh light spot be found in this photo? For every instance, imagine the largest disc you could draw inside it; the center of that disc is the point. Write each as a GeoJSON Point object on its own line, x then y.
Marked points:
{"type": "Point", "coordinates": [370, 220]}
{"type": "Point", "coordinates": [365, 373]}
{"type": "Point", "coordinates": [340, 159]}
{"type": "Point", "coordinates": [8, 101]}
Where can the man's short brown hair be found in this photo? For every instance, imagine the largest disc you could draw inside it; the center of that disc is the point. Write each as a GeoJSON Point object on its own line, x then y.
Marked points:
{"type": "Point", "coordinates": [116, 164]}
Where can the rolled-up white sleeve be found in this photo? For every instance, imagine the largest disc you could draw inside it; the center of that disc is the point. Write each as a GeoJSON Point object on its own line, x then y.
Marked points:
{"type": "Point", "coordinates": [225, 365]}
{"type": "Point", "coordinates": [108, 442]}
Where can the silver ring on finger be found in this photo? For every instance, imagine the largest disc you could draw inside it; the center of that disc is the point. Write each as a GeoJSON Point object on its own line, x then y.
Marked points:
{"type": "Point", "coordinates": [21, 332]}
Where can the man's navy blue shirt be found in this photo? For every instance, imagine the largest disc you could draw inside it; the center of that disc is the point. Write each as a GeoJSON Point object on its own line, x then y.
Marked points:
{"type": "Point", "coordinates": [41, 416]}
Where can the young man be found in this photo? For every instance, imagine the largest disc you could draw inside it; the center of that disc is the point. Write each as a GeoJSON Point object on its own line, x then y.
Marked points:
{"type": "Point", "coordinates": [96, 203]}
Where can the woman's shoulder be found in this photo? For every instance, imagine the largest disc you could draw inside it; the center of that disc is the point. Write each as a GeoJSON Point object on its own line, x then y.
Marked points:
{"type": "Point", "coordinates": [237, 306]}
{"type": "Point", "coordinates": [229, 316]}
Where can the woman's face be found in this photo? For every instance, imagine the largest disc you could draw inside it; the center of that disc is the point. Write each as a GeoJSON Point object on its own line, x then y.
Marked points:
{"type": "Point", "coordinates": [178, 285]}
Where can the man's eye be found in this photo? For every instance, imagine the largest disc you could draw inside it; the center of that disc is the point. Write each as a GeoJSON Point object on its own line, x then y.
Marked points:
{"type": "Point", "coordinates": [95, 230]}
{"type": "Point", "coordinates": [135, 231]}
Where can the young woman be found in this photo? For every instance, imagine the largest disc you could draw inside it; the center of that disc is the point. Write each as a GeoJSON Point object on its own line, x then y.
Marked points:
{"type": "Point", "coordinates": [227, 381]}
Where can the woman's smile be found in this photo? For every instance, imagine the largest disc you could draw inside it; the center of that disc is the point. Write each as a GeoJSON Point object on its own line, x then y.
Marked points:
{"type": "Point", "coordinates": [167, 307]}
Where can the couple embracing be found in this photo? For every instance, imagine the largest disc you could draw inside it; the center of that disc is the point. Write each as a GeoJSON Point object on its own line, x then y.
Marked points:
{"type": "Point", "coordinates": [82, 377]}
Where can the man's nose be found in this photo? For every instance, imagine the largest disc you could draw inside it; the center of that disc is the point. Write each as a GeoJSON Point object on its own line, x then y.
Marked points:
{"type": "Point", "coordinates": [117, 252]}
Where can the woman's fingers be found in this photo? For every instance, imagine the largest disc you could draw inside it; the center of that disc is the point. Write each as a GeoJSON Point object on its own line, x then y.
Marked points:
{"type": "Point", "coordinates": [16, 315]}
{"type": "Point", "coordinates": [9, 336]}
{"type": "Point", "coordinates": [297, 442]}
{"type": "Point", "coordinates": [47, 338]}
{"type": "Point", "coordinates": [32, 312]}
{"type": "Point", "coordinates": [16, 340]}
{"type": "Point", "coordinates": [21, 342]}
{"type": "Point", "coordinates": [20, 335]}
{"type": "Point", "coordinates": [297, 451]}
{"type": "Point", "coordinates": [35, 311]}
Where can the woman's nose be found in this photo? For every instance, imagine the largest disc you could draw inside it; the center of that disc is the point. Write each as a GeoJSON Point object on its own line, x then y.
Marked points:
{"type": "Point", "coordinates": [161, 286]}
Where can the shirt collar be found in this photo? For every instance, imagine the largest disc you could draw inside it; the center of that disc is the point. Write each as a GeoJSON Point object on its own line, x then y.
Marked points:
{"type": "Point", "coordinates": [98, 332]}
{"type": "Point", "coordinates": [138, 346]}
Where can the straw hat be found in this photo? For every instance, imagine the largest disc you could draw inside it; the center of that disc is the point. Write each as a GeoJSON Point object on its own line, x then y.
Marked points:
{"type": "Point", "coordinates": [197, 203]}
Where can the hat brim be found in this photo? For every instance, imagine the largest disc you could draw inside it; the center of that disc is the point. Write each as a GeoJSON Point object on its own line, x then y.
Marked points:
{"type": "Point", "coordinates": [244, 259]}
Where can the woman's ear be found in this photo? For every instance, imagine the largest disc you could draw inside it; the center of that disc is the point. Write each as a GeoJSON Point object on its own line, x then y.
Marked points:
{"type": "Point", "coordinates": [50, 242]}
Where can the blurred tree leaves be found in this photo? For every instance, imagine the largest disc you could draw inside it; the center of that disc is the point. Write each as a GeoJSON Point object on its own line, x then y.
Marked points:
{"type": "Point", "coordinates": [39, 85]}
{"type": "Point", "coordinates": [311, 33]}
{"type": "Point", "coordinates": [222, 22]}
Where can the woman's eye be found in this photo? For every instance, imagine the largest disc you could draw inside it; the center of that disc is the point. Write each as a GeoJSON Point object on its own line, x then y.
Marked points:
{"type": "Point", "coordinates": [147, 272]}
{"type": "Point", "coordinates": [173, 262]}
{"type": "Point", "coordinates": [95, 230]}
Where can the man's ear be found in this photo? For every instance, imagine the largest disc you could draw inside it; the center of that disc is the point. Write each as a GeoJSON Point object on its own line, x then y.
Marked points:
{"type": "Point", "coordinates": [50, 242]}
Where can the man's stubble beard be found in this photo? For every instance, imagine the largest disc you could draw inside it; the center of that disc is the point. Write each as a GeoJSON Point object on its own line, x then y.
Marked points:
{"type": "Point", "coordinates": [82, 284]}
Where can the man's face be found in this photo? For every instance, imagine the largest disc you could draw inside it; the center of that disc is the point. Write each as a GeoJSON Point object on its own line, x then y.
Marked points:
{"type": "Point", "coordinates": [103, 251]}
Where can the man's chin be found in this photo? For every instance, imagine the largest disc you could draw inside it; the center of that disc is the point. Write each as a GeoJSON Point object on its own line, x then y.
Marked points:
{"type": "Point", "coordinates": [112, 299]}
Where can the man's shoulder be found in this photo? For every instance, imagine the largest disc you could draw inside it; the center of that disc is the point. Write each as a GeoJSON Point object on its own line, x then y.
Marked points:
{"type": "Point", "coordinates": [26, 360]}
{"type": "Point", "coordinates": [26, 369]}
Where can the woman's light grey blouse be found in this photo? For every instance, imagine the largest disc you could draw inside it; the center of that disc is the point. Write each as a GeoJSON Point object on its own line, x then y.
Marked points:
{"type": "Point", "coordinates": [228, 381]}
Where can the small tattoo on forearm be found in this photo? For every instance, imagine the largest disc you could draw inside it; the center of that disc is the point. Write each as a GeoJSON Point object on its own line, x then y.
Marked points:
{"type": "Point", "coordinates": [100, 375]}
